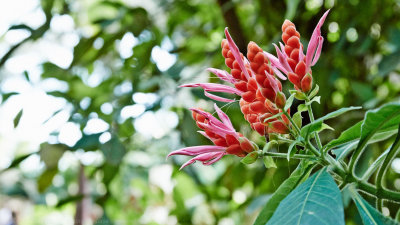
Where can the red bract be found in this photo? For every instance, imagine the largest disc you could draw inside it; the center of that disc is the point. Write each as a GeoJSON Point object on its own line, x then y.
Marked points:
{"type": "Point", "coordinates": [221, 132]}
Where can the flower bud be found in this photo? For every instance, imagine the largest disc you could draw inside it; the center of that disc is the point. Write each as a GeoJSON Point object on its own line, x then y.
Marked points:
{"type": "Point", "coordinates": [280, 100]}
{"type": "Point", "coordinates": [306, 83]}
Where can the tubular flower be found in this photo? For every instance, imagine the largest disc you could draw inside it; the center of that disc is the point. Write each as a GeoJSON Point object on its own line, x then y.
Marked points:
{"type": "Point", "coordinates": [221, 132]}
{"type": "Point", "coordinates": [291, 59]}
{"type": "Point", "coordinates": [253, 81]}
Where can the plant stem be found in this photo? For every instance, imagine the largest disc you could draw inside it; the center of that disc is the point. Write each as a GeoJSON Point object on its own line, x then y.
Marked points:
{"type": "Point", "coordinates": [311, 115]}
{"type": "Point", "coordinates": [284, 155]}
{"type": "Point", "coordinates": [383, 168]}
{"type": "Point", "coordinates": [291, 121]}
{"type": "Point", "coordinates": [371, 169]}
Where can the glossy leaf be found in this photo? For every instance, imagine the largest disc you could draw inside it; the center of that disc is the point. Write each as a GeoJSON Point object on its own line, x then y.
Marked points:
{"type": "Point", "coordinates": [369, 215]}
{"type": "Point", "coordinates": [316, 201]}
{"type": "Point", "coordinates": [283, 190]}
{"type": "Point", "coordinates": [318, 124]}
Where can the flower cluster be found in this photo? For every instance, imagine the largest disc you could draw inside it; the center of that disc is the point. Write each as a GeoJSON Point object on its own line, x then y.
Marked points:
{"type": "Point", "coordinates": [255, 79]}
{"type": "Point", "coordinates": [221, 132]}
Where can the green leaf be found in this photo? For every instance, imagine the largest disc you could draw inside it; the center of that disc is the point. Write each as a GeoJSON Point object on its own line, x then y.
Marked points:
{"type": "Point", "coordinates": [289, 102]}
{"type": "Point", "coordinates": [269, 145]}
{"type": "Point", "coordinates": [250, 158]}
{"type": "Point", "coordinates": [297, 118]}
{"type": "Point", "coordinates": [50, 154]}
{"type": "Point", "coordinates": [298, 94]}
{"type": "Point", "coordinates": [317, 125]}
{"type": "Point", "coordinates": [88, 142]}
{"type": "Point", "coordinates": [346, 136]}
{"type": "Point", "coordinates": [314, 92]}
{"type": "Point", "coordinates": [290, 153]}
{"type": "Point", "coordinates": [18, 118]}
{"type": "Point", "coordinates": [69, 199]}
{"type": "Point", "coordinates": [382, 118]}
{"type": "Point", "coordinates": [113, 151]}
{"type": "Point", "coordinates": [316, 201]}
{"type": "Point", "coordinates": [273, 117]}
{"type": "Point", "coordinates": [269, 162]}
{"type": "Point", "coordinates": [283, 190]}
{"type": "Point", "coordinates": [46, 178]}
{"type": "Point", "coordinates": [301, 108]}
{"type": "Point", "coordinates": [315, 99]}
{"type": "Point", "coordinates": [344, 149]}
{"type": "Point", "coordinates": [369, 214]}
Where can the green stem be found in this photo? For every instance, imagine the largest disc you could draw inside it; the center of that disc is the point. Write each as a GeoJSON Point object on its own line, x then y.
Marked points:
{"type": "Point", "coordinates": [385, 165]}
{"type": "Point", "coordinates": [284, 155]}
{"type": "Point", "coordinates": [311, 115]}
{"type": "Point", "coordinates": [371, 169]}
{"type": "Point", "coordinates": [291, 121]}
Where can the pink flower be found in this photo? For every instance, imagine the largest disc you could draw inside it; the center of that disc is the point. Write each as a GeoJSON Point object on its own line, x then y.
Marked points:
{"type": "Point", "coordinates": [221, 132]}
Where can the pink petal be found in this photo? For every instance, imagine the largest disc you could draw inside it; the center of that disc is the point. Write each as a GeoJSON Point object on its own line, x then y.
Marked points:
{"type": "Point", "coordinates": [203, 158]}
{"type": "Point", "coordinates": [275, 62]}
{"type": "Point", "coordinates": [235, 51]}
{"type": "Point", "coordinates": [282, 59]}
{"type": "Point", "coordinates": [216, 129]}
{"type": "Point", "coordinates": [224, 118]}
{"type": "Point", "coordinates": [214, 121]}
{"type": "Point", "coordinates": [222, 74]}
{"type": "Point", "coordinates": [318, 52]}
{"type": "Point", "coordinates": [214, 87]}
{"type": "Point", "coordinates": [196, 150]}
{"type": "Point", "coordinates": [301, 54]}
{"type": "Point", "coordinates": [273, 83]}
{"type": "Point", "coordinates": [217, 98]}
{"type": "Point", "coordinates": [204, 134]}
{"type": "Point", "coordinates": [214, 160]}
{"type": "Point", "coordinates": [278, 73]}
{"type": "Point", "coordinates": [312, 45]}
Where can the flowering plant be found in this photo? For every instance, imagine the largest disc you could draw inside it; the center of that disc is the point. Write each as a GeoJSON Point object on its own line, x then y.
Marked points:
{"type": "Point", "coordinates": [301, 199]}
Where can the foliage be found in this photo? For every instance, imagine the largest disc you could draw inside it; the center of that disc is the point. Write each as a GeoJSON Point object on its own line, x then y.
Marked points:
{"type": "Point", "coordinates": [359, 66]}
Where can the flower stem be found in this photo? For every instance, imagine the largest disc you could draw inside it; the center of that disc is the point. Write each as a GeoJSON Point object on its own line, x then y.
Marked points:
{"type": "Point", "coordinates": [291, 121]}
{"type": "Point", "coordinates": [311, 115]}
{"type": "Point", "coordinates": [284, 155]}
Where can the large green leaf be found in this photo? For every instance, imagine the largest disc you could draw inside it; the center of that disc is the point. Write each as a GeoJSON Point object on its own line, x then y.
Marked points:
{"type": "Point", "coordinates": [369, 215]}
{"type": "Point", "coordinates": [318, 124]}
{"type": "Point", "coordinates": [343, 150]}
{"type": "Point", "coordinates": [382, 118]}
{"type": "Point", "coordinates": [316, 201]}
{"type": "Point", "coordinates": [299, 174]}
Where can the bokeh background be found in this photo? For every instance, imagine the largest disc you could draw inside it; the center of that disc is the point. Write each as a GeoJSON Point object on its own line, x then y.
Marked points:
{"type": "Point", "coordinates": [90, 106]}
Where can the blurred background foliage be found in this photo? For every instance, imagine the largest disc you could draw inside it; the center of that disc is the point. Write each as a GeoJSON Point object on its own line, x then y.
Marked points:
{"type": "Point", "coordinates": [90, 105]}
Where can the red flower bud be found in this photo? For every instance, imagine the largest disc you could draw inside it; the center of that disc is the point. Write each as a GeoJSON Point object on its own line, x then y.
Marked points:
{"type": "Point", "coordinates": [280, 100]}
{"type": "Point", "coordinates": [306, 83]}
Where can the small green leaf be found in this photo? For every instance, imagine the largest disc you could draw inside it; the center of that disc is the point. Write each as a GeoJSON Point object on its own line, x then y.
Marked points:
{"type": "Point", "coordinates": [269, 145]}
{"type": "Point", "coordinates": [273, 117]}
{"type": "Point", "coordinates": [301, 108]}
{"type": "Point", "coordinates": [250, 158]}
{"type": "Point", "coordinates": [297, 118]}
{"type": "Point", "coordinates": [314, 92]}
{"type": "Point", "coordinates": [315, 99]}
{"type": "Point", "coordinates": [317, 124]}
{"type": "Point", "coordinates": [369, 214]}
{"type": "Point", "coordinates": [289, 102]}
{"type": "Point", "coordinates": [290, 153]}
{"type": "Point", "coordinates": [46, 178]}
{"type": "Point", "coordinates": [50, 154]}
{"type": "Point", "coordinates": [298, 94]}
{"type": "Point", "coordinates": [316, 201]}
{"type": "Point", "coordinates": [18, 118]}
{"type": "Point", "coordinates": [269, 162]}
